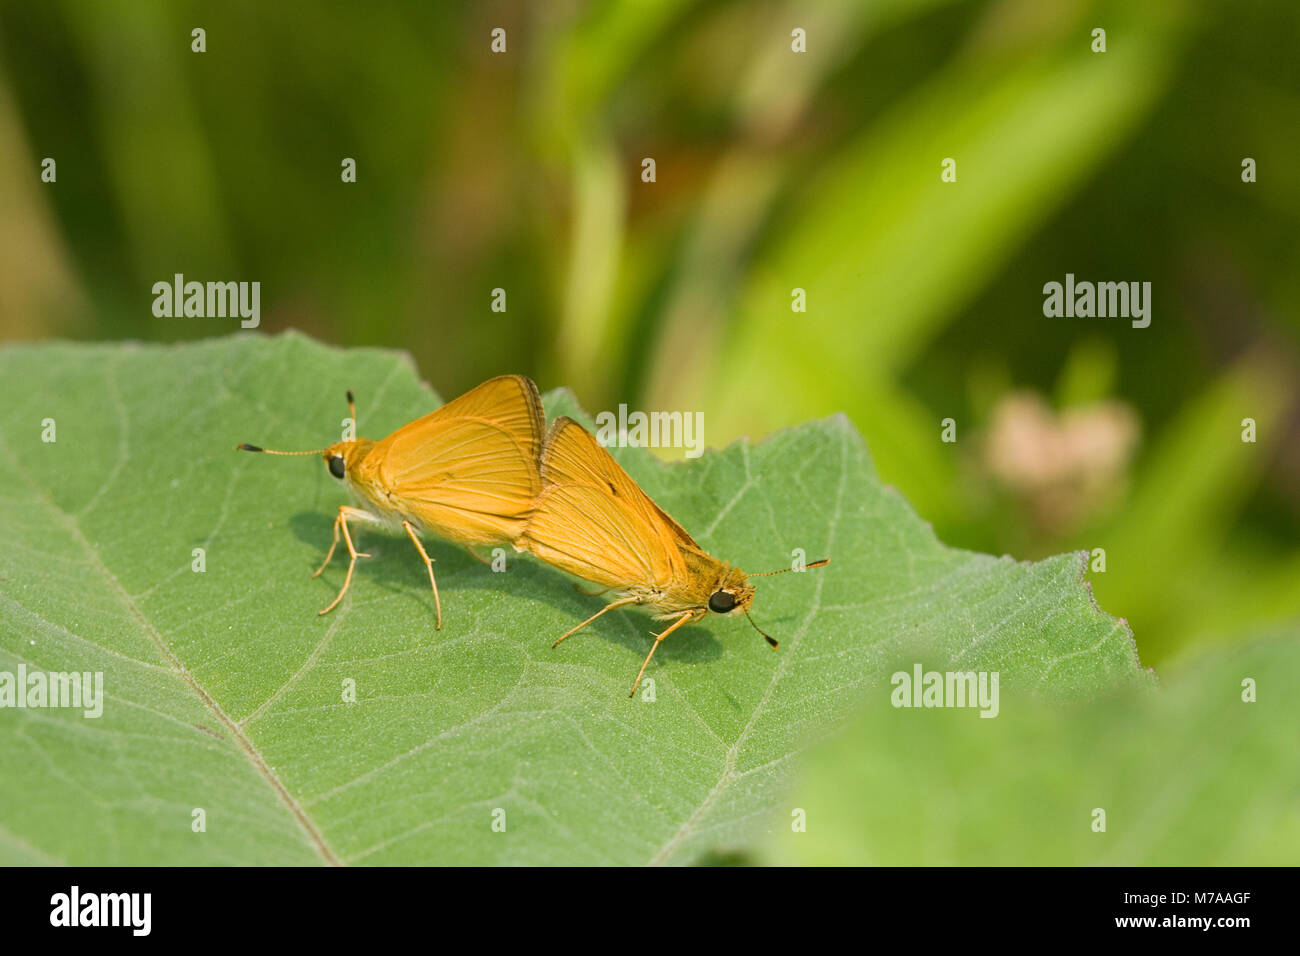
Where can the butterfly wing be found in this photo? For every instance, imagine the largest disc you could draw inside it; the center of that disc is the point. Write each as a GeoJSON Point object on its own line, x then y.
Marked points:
{"type": "Point", "coordinates": [591, 519]}
{"type": "Point", "coordinates": [468, 472]}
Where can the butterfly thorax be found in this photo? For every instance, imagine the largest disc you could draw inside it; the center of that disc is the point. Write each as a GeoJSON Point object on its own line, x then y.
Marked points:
{"type": "Point", "coordinates": [360, 477]}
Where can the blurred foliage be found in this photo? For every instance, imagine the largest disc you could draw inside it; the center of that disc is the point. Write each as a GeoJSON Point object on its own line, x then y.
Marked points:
{"type": "Point", "coordinates": [775, 170]}
{"type": "Point", "coordinates": [1193, 776]}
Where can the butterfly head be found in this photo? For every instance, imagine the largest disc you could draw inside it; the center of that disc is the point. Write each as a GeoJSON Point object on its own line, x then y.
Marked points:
{"type": "Point", "coordinates": [342, 458]}
{"type": "Point", "coordinates": [731, 593]}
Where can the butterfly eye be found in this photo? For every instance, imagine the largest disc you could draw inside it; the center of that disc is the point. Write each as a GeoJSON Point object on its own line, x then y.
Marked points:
{"type": "Point", "coordinates": [721, 602]}
{"type": "Point", "coordinates": [336, 466]}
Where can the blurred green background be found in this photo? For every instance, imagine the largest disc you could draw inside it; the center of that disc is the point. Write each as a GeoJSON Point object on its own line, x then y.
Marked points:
{"type": "Point", "coordinates": [775, 170]}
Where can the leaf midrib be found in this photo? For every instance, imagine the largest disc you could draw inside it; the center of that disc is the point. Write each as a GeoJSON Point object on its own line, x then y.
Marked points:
{"type": "Point", "coordinates": [249, 749]}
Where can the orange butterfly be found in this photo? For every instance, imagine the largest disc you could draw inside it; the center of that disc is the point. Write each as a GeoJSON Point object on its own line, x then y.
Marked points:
{"type": "Point", "coordinates": [592, 520]}
{"type": "Point", "coordinates": [467, 473]}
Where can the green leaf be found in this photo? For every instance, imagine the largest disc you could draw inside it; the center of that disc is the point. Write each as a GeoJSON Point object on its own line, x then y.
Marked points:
{"type": "Point", "coordinates": [1191, 776]}
{"type": "Point", "coordinates": [224, 687]}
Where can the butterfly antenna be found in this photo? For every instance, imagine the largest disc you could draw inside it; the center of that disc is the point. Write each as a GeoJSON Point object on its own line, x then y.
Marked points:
{"type": "Point", "coordinates": [352, 410]}
{"type": "Point", "coordinates": [763, 574]}
{"type": "Point", "coordinates": [816, 564]}
{"type": "Point", "coordinates": [766, 636]}
{"type": "Point", "coordinates": [269, 451]}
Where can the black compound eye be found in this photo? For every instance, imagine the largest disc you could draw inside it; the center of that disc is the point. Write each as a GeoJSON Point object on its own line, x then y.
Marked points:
{"type": "Point", "coordinates": [721, 602]}
{"type": "Point", "coordinates": [336, 466]}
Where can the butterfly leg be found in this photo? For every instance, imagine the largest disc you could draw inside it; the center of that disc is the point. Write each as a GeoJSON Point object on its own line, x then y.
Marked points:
{"type": "Point", "coordinates": [684, 619]}
{"type": "Point", "coordinates": [478, 557]}
{"type": "Point", "coordinates": [428, 563]}
{"type": "Point", "coordinates": [341, 523]}
{"type": "Point", "coordinates": [607, 607]}
{"type": "Point", "coordinates": [330, 555]}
